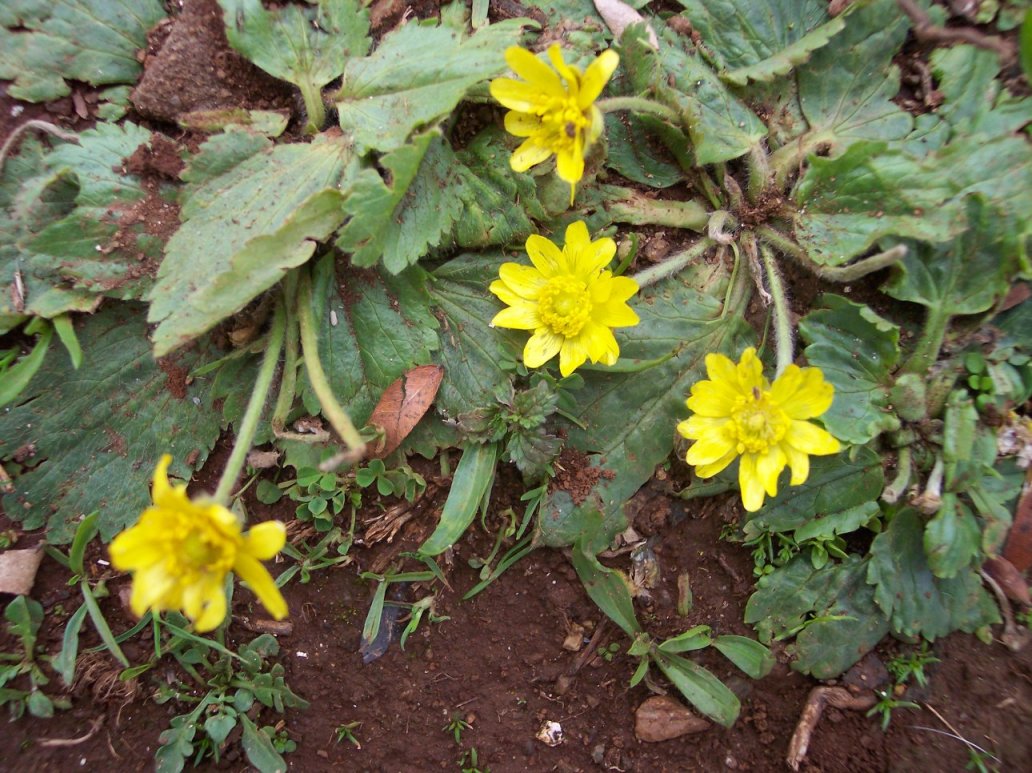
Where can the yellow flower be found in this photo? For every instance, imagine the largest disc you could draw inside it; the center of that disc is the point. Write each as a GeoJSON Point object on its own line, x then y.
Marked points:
{"type": "Point", "coordinates": [567, 299]}
{"type": "Point", "coordinates": [180, 551]}
{"type": "Point", "coordinates": [737, 412]}
{"type": "Point", "coordinates": [553, 109]}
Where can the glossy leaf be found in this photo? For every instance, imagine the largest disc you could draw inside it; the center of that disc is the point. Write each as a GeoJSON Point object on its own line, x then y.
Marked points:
{"type": "Point", "coordinates": [471, 483]}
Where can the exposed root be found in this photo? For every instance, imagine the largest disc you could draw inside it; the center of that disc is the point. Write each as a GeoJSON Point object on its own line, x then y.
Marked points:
{"type": "Point", "coordinates": [840, 698]}
{"type": "Point", "coordinates": [94, 671]}
{"type": "Point", "coordinates": [50, 743]}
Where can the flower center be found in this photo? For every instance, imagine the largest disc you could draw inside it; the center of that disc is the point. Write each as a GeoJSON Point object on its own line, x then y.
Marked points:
{"type": "Point", "coordinates": [564, 305]}
{"type": "Point", "coordinates": [561, 122]}
{"type": "Point", "coordinates": [759, 423]}
{"type": "Point", "coordinates": [202, 551]}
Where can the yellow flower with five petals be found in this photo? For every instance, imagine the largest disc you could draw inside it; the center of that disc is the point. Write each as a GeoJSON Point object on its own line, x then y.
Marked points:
{"type": "Point", "coordinates": [738, 413]}
{"type": "Point", "coordinates": [180, 552]}
{"type": "Point", "coordinates": [553, 108]}
{"type": "Point", "coordinates": [568, 299]}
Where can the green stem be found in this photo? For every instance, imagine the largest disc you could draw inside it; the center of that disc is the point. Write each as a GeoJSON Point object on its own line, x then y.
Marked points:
{"type": "Point", "coordinates": [672, 265]}
{"type": "Point", "coordinates": [314, 106]}
{"type": "Point", "coordinates": [639, 210]}
{"type": "Point", "coordinates": [739, 288]}
{"type": "Point", "coordinates": [930, 342]}
{"type": "Point", "coordinates": [789, 158]}
{"type": "Point", "coordinates": [249, 424]}
{"type": "Point", "coordinates": [839, 274]}
{"type": "Point", "coordinates": [759, 172]}
{"type": "Point", "coordinates": [288, 381]}
{"type": "Point", "coordinates": [783, 339]}
{"type": "Point", "coordinates": [332, 410]}
{"type": "Point", "coordinates": [639, 105]}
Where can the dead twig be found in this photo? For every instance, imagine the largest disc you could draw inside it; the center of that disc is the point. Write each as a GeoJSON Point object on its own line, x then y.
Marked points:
{"type": "Point", "coordinates": [1012, 638]}
{"type": "Point", "coordinates": [275, 627]}
{"type": "Point", "coordinates": [840, 698]}
{"type": "Point", "coordinates": [926, 31]}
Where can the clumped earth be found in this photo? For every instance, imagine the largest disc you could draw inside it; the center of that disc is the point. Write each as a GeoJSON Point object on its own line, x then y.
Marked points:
{"type": "Point", "coordinates": [530, 649]}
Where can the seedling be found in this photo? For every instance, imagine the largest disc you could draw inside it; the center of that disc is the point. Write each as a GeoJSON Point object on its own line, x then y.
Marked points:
{"type": "Point", "coordinates": [456, 725]}
{"type": "Point", "coordinates": [887, 703]}
{"type": "Point", "coordinates": [904, 667]}
{"type": "Point", "coordinates": [469, 762]}
{"type": "Point", "coordinates": [346, 732]}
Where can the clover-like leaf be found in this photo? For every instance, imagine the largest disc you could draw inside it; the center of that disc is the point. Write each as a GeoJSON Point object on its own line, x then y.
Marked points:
{"type": "Point", "coordinates": [252, 224]}
{"type": "Point", "coordinates": [91, 436]}
{"type": "Point", "coordinates": [416, 76]}
{"type": "Point", "coordinates": [95, 41]}
{"type": "Point", "coordinates": [857, 350]}
{"type": "Point", "coordinates": [916, 601]}
{"type": "Point", "coordinates": [754, 42]}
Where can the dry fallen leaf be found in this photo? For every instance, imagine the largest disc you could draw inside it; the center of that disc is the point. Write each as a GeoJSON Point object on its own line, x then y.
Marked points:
{"type": "Point", "coordinates": [18, 570]}
{"type": "Point", "coordinates": [403, 405]}
{"type": "Point", "coordinates": [618, 16]}
{"type": "Point", "coordinates": [1011, 581]}
{"type": "Point", "coordinates": [1018, 549]}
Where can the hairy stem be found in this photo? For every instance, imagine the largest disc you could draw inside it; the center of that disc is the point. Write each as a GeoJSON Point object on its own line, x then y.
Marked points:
{"type": "Point", "coordinates": [672, 265]}
{"type": "Point", "coordinates": [930, 342]}
{"type": "Point", "coordinates": [249, 423]}
{"type": "Point", "coordinates": [759, 172]}
{"type": "Point", "coordinates": [288, 381]}
{"type": "Point", "coordinates": [899, 484]}
{"type": "Point", "coordinates": [639, 105]}
{"type": "Point", "coordinates": [639, 210]}
{"type": "Point", "coordinates": [839, 274]}
{"type": "Point", "coordinates": [332, 410]}
{"type": "Point", "coordinates": [314, 106]}
{"type": "Point", "coordinates": [784, 341]}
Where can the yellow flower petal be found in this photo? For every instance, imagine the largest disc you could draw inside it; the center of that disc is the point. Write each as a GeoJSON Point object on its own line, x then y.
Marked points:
{"type": "Point", "coordinates": [722, 370]}
{"type": "Point", "coordinates": [572, 355]}
{"type": "Point", "coordinates": [695, 427]}
{"type": "Point", "coordinates": [214, 599]}
{"type": "Point", "coordinates": [150, 585]}
{"type": "Point", "coordinates": [522, 124]}
{"type": "Point", "coordinates": [596, 76]}
{"type": "Point", "coordinates": [798, 463]}
{"type": "Point", "coordinates": [534, 71]}
{"type": "Point", "coordinates": [529, 154]}
{"type": "Point", "coordinates": [811, 439]}
{"type": "Point", "coordinates": [769, 467]}
{"type": "Point", "coordinates": [541, 347]}
{"type": "Point", "coordinates": [709, 470]}
{"type": "Point", "coordinates": [522, 316]}
{"type": "Point", "coordinates": [160, 487]}
{"type": "Point", "coordinates": [805, 394]}
{"type": "Point", "coordinates": [712, 398]}
{"type": "Point", "coordinates": [600, 343]}
{"type": "Point", "coordinates": [595, 128]}
{"type": "Point", "coordinates": [522, 280]}
{"type": "Point", "coordinates": [505, 295]}
{"type": "Point", "coordinates": [265, 540]}
{"type": "Point", "coordinates": [134, 549]}
{"type": "Point", "coordinates": [615, 314]}
{"type": "Point", "coordinates": [569, 163]}
{"type": "Point", "coordinates": [517, 95]}
{"type": "Point", "coordinates": [546, 257]}
{"type": "Point", "coordinates": [750, 371]}
{"type": "Point", "coordinates": [570, 74]}
{"type": "Point", "coordinates": [750, 483]}
{"type": "Point", "coordinates": [261, 582]}
{"type": "Point", "coordinates": [710, 448]}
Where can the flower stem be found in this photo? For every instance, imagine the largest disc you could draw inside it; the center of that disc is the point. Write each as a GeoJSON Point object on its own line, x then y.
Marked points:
{"type": "Point", "coordinates": [639, 210]}
{"type": "Point", "coordinates": [672, 265]}
{"type": "Point", "coordinates": [288, 381]}
{"type": "Point", "coordinates": [930, 342]}
{"type": "Point", "coordinates": [783, 340]}
{"type": "Point", "coordinates": [314, 107]}
{"type": "Point", "coordinates": [839, 274]}
{"type": "Point", "coordinates": [332, 410]}
{"type": "Point", "coordinates": [639, 105]}
{"type": "Point", "coordinates": [249, 424]}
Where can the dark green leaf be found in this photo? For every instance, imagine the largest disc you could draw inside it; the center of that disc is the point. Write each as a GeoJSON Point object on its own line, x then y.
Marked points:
{"type": "Point", "coordinates": [607, 588]}
{"type": "Point", "coordinates": [259, 749]}
{"type": "Point", "coordinates": [700, 688]}
{"type": "Point", "coordinates": [471, 483]}
{"type": "Point", "coordinates": [748, 654]}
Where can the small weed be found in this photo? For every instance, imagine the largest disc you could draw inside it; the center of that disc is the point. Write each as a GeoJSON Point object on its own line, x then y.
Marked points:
{"type": "Point", "coordinates": [456, 725]}
{"type": "Point", "coordinates": [912, 665]}
{"type": "Point", "coordinates": [346, 732]}
{"type": "Point", "coordinates": [887, 703]}
{"type": "Point", "coordinates": [469, 762]}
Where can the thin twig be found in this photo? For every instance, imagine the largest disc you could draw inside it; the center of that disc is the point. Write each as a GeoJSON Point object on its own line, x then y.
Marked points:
{"type": "Point", "coordinates": [58, 742]}
{"type": "Point", "coordinates": [956, 733]}
{"type": "Point", "coordinates": [925, 30]}
{"type": "Point", "coordinates": [45, 126]}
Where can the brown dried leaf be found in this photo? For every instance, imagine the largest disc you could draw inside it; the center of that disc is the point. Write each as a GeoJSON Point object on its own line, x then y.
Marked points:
{"type": "Point", "coordinates": [1011, 581]}
{"type": "Point", "coordinates": [1018, 549]}
{"type": "Point", "coordinates": [403, 404]}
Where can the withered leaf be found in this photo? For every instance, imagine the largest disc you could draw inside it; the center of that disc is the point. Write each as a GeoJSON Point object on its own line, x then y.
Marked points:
{"type": "Point", "coordinates": [403, 404]}
{"type": "Point", "coordinates": [1018, 549]}
{"type": "Point", "coordinates": [1010, 580]}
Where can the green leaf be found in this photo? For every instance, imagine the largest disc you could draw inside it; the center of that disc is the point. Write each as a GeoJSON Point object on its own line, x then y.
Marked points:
{"type": "Point", "coordinates": [399, 223]}
{"type": "Point", "coordinates": [607, 588]}
{"type": "Point", "coordinates": [915, 600]}
{"type": "Point", "coordinates": [416, 76]}
{"type": "Point", "coordinates": [952, 539]}
{"type": "Point", "coordinates": [832, 609]}
{"type": "Point", "coordinates": [700, 688]}
{"type": "Point", "coordinates": [64, 662]}
{"type": "Point", "coordinates": [856, 350]}
{"type": "Point", "coordinates": [371, 329]}
{"type": "Point", "coordinates": [753, 42]}
{"type": "Point", "coordinates": [846, 88]}
{"type": "Point", "coordinates": [306, 46]}
{"type": "Point", "coordinates": [629, 417]}
{"type": "Point", "coordinates": [470, 485]}
{"type": "Point", "coordinates": [259, 749]}
{"type": "Point", "coordinates": [471, 351]}
{"type": "Point", "coordinates": [836, 484]}
{"type": "Point", "coordinates": [98, 431]}
{"type": "Point", "coordinates": [95, 41]}
{"type": "Point", "coordinates": [748, 654]}
{"type": "Point", "coordinates": [1025, 43]}
{"type": "Point", "coordinates": [219, 726]}
{"type": "Point", "coordinates": [252, 224]}
{"type": "Point", "coordinates": [965, 276]}
{"type": "Point", "coordinates": [695, 638]}
{"type": "Point", "coordinates": [975, 102]}
{"type": "Point", "coordinates": [720, 126]}
{"type": "Point", "coordinates": [14, 380]}
{"type": "Point", "coordinates": [87, 531]}
{"type": "Point", "coordinates": [637, 154]}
